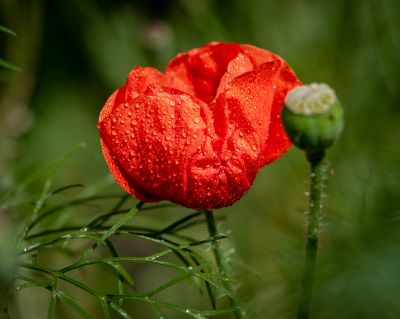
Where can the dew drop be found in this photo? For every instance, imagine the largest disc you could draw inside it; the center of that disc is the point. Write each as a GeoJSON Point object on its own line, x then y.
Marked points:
{"type": "Point", "coordinates": [254, 147]}
{"type": "Point", "coordinates": [241, 134]}
{"type": "Point", "coordinates": [168, 138]}
{"type": "Point", "coordinates": [196, 120]}
{"type": "Point", "coordinates": [172, 116]}
{"type": "Point", "coordinates": [114, 133]}
{"type": "Point", "coordinates": [171, 103]}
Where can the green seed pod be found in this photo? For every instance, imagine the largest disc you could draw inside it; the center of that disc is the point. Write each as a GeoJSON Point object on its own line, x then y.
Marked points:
{"type": "Point", "coordinates": [312, 117]}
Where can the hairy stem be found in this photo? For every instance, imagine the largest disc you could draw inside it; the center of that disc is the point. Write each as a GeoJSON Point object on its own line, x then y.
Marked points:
{"type": "Point", "coordinates": [316, 163]}
{"type": "Point", "coordinates": [223, 268]}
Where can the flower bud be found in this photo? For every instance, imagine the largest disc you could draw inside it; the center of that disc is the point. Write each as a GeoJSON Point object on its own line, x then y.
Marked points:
{"type": "Point", "coordinates": [312, 117]}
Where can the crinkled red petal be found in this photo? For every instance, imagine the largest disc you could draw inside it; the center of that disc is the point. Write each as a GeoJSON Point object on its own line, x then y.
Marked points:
{"type": "Point", "coordinates": [199, 134]}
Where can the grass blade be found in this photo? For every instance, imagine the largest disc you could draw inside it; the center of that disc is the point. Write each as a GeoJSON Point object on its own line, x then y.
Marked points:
{"type": "Point", "coordinates": [124, 219]}
{"type": "Point", "coordinates": [179, 222]}
{"type": "Point", "coordinates": [105, 307]}
{"type": "Point", "coordinates": [52, 307]}
{"type": "Point", "coordinates": [75, 202]}
{"type": "Point", "coordinates": [35, 212]}
{"type": "Point", "coordinates": [9, 65]}
{"type": "Point", "coordinates": [61, 189]}
{"type": "Point", "coordinates": [73, 303]}
{"type": "Point", "coordinates": [120, 311]}
{"type": "Point", "coordinates": [7, 30]}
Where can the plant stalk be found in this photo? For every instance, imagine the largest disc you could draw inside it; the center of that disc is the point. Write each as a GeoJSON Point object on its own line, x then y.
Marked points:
{"type": "Point", "coordinates": [316, 164]}
{"type": "Point", "coordinates": [222, 266]}
{"type": "Point", "coordinates": [3, 299]}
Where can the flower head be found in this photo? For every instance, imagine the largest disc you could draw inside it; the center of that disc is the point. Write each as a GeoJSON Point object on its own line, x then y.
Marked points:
{"type": "Point", "coordinates": [197, 134]}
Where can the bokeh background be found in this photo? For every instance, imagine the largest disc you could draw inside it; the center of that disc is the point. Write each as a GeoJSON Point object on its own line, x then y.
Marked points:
{"type": "Point", "coordinates": [74, 54]}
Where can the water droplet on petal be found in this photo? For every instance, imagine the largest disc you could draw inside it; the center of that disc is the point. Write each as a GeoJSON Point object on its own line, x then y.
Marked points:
{"type": "Point", "coordinates": [254, 147]}
{"type": "Point", "coordinates": [196, 120]}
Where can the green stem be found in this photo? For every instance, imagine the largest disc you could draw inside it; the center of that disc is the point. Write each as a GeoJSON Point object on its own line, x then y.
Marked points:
{"type": "Point", "coordinates": [316, 163]}
{"type": "Point", "coordinates": [3, 298]}
{"type": "Point", "coordinates": [223, 268]}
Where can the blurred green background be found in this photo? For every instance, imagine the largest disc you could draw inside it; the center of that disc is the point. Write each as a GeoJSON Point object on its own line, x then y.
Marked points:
{"type": "Point", "coordinates": [74, 54]}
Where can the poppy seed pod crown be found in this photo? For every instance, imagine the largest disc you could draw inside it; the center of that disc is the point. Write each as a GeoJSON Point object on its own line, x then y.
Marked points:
{"type": "Point", "coordinates": [197, 134]}
{"type": "Point", "coordinates": [313, 117]}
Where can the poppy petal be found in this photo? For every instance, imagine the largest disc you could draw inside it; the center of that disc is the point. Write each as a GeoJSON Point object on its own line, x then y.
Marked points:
{"type": "Point", "coordinates": [198, 134]}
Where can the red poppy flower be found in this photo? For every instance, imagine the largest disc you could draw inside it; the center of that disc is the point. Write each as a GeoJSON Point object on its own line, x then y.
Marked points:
{"type": "Point", "coordinates": [197, 134]}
